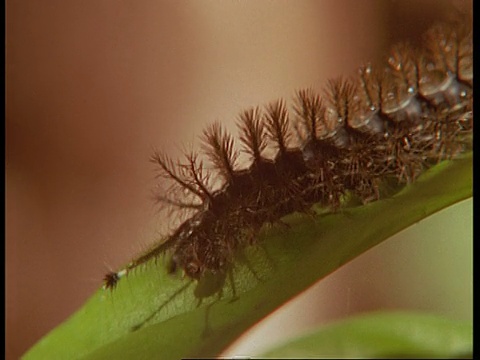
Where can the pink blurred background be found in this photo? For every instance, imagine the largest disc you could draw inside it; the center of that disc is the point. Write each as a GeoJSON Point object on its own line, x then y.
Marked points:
{"type": "Point", "coordinates": [92, 87]}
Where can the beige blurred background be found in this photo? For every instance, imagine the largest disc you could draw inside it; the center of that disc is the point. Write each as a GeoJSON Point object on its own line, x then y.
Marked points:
{"type": "Point", "coordinates": [94, 86]}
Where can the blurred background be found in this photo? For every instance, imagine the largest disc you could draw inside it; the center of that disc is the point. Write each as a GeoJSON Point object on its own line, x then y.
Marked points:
{"type": "Point", "coordinates": [93, 86]}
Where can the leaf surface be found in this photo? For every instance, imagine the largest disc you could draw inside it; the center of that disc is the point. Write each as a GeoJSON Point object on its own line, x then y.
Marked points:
{"type": "Point", "coordinates": [180, 318]}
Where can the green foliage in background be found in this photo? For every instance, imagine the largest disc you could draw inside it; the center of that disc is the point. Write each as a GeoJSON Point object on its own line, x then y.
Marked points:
{"type": "Point", "coordinates": [384, 335]}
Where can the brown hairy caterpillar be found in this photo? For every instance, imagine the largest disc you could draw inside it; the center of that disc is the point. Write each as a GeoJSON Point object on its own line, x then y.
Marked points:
{"type": "Point", "coordinates": [389, 123]}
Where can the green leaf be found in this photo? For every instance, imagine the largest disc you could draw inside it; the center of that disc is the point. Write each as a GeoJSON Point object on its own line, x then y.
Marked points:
{"type": "Point", "coordinates": [384, 335]}
{"type": "Point", "coordinates": [196, 322]}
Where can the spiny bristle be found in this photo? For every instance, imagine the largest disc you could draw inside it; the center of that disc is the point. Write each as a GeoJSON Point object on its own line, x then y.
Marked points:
{"type": "Point", "coordinates": [309, 108]}
{"type": "Point", "coordinates": [276, 122]}
{"type": "Point", "coordinates": [110, 280]}
{"type": "Point", "coordinates": [219, 147]}
{"type": "Point", "coordinates": [252, 133]}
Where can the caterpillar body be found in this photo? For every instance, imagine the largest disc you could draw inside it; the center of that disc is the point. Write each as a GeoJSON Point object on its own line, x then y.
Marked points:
{"type": "Point", "coordinates": [389, 123]}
